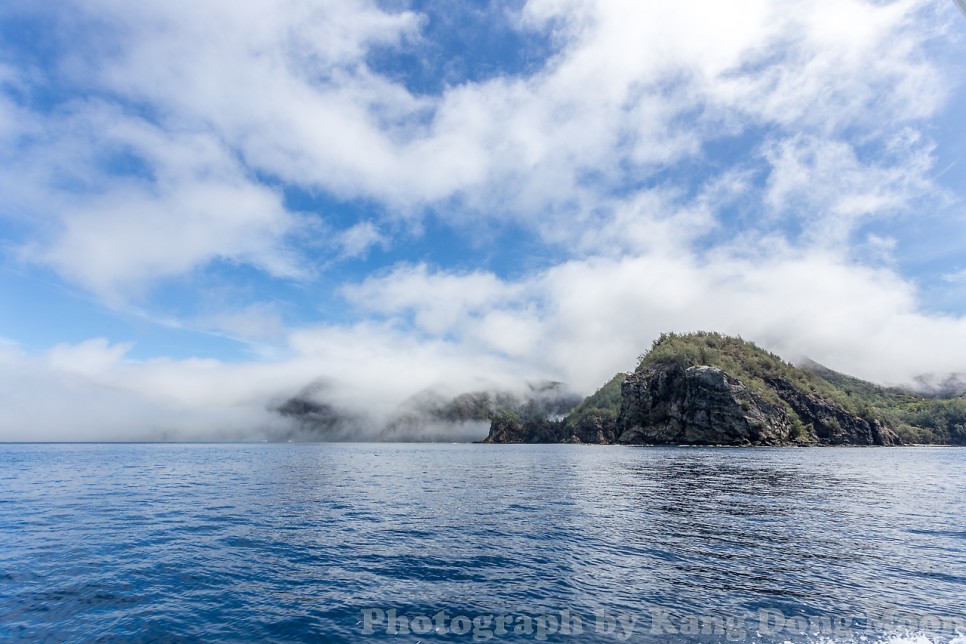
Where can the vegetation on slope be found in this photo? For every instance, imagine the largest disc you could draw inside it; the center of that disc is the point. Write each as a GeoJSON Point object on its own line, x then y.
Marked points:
{"type": "Point", "coordinates": [916, 418]}
{"type": "Point", "coordinates": [743, 360]}
{"type": "Point", "coordinates": [601, 407]}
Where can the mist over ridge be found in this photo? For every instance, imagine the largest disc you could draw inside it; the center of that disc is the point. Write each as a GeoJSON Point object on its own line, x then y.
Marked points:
{"type": "Point", "coordinates": [205, 208]}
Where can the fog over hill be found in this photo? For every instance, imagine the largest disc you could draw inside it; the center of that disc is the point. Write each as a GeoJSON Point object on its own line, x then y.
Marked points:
{"type": "Point", "coordinates": [211, 209]}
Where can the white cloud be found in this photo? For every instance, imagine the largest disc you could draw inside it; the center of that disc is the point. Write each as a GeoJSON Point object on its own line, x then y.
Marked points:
{"type": "Point", "coordinates": [360, 238]}
{"type": "Point", "coordinates": [437, 299]}
{"type": "Point", "coordinates": [182, 202]}
{"type": "Point", "coordinates": [286, 92]}
{"type": "Point", "coordinates": [260, 322]}
{"type": "Point", "coordinates": [824, 183]}
{"type": "Point", "coordinates": [89, 391]}
{"type": "Point", "coordinates": [583, 320]}
{"type": "Point", "coordinates": [194, 116]}
{"type": "Point", "coordinates": [89, 358]}
{"type": "Point", "coordinates": [285, 85]}
{"type": "Point", "coordinates": [41, 404]}
{"type": "Point", "coordinates": [290, 89]}
{"type": "Point", "coordinates": [126, 241]}
{"type": "Point", "coordinates": [10, 351]}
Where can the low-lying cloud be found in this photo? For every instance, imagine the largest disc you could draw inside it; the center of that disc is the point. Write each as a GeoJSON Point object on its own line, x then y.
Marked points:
{"type": "Point", "coordinates": [578, 323]}
{"type": "Point", "coordinates": [696, 166]}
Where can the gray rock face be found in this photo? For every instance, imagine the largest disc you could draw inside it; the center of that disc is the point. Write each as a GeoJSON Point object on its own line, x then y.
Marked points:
{"type": "Point", "coordinates": [510, 430]}
{"type": "Point", "coordinates": [504, 429]}
{"type": "Point", "coordinates": [829, 424]}
{"type": "Point", "coordinates": [595, 431]}
{"type": "Point", "coordinates": [666, 404]}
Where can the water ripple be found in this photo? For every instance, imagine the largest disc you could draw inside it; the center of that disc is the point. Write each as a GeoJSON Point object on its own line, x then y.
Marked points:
{"type": "Point", "coordinates": [290, 543]}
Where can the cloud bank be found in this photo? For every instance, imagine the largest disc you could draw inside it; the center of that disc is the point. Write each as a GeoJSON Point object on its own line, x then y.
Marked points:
{"type": "Point", "coordinates": [746, 168]}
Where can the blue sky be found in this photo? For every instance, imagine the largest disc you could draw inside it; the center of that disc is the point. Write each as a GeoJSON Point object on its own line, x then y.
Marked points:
{"type": "Point", "coordinates": [205, 207]}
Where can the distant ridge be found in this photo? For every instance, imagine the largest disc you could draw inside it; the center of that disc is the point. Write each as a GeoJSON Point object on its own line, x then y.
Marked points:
{"type": "Point", "coordinates": [428, 416]}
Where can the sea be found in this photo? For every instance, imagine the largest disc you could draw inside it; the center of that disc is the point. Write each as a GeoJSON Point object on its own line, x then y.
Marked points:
{"type": "Point", "coordinates": [468, 543]}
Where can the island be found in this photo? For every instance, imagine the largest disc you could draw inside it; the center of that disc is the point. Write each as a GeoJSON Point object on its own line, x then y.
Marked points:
{"type": "Point", "coordinates": [712, 389]}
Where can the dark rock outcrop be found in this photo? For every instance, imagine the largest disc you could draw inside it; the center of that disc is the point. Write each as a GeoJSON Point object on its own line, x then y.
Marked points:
{"type": "Point", "coordinates": [595, 430]}
{"type": "Point", "coordinates": [669, 404]}
{"type": "Point", "coordinates": [831, 425]}
{"type": "Point", "coordinates": [507, 428]}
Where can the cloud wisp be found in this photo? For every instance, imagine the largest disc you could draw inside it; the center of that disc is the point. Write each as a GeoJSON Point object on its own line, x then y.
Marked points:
{"type": "Point", "coordinates": [654, 167]}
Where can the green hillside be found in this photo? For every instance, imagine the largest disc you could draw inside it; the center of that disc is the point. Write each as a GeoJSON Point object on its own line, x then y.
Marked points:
{"type": "Point", "coordinates": [916, 418]}
{"type": "Point", "coordinates": [601, 407]}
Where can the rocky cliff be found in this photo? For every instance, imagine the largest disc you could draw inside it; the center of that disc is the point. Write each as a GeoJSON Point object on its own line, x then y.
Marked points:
{"type": "Point", "coordinates": [668, 403]}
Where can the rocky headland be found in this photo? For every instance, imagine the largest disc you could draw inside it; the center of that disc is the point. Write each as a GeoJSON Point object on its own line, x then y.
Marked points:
{"type": "Point", "coordinates": [711, 389]}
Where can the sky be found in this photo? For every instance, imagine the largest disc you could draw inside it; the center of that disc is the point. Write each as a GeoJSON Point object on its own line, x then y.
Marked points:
{"type": "Point", "coordinates": [209, 207]}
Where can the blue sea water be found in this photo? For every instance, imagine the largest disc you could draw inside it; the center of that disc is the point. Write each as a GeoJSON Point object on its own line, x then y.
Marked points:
{"type": "Point", "coordinates": [451, 543]}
